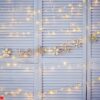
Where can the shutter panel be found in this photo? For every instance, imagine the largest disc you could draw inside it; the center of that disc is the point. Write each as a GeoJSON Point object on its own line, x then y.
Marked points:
{"type": "Point", "coordinates": [95, 49]}
{"type": "Point", "coordinates": [63, 69]}
{"type": "Point", "coordinates": [17, 46]}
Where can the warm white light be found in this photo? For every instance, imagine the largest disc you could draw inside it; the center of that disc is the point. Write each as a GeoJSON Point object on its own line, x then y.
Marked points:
{"type": "Point", "coordinates": [28, 19]}
{"type": "Point", "coordinates": [60, 10]}
{"type": "Point", "coordinates": [52, 92]}
{"type": "Point", "coordinates": [65, 63]}
{"type": "Point", "coordinates": [8, 64]}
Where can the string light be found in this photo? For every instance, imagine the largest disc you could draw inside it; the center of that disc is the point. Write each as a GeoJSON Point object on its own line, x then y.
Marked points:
{"type": "Point", "coordinates": [60, 10]}
{"type": "Point", "coordinates": [40, 29]}
{"type": "Point", "coordinates": [28, 19]}
{"type": "Point", "coordinates": [72, 9]}
{"type": "Point", "coordinates": [37, 23]}
{"type": "Point", "coordinates": [52, 92]}
{"type": "Point", "coordinates": [66, 16]}
{"type": "Point", "coordinates": [65, 48]}
{"type": "Point", "coordinates": [29, 9]}
{"type": "Point", "coordinates": [65, 63]}
{"type": "Point", "coordinates": [6, 52]}
{"type": "Point", "coordinates": [14, 64]}
{"type": "Point", "coordinates": [46, 21]}
{"type": "Point", "coordinates": [68, 90]}
{"type": "Point", "coordinates": [98, 78]}
{"type": "Point", "coordinates": [29, 95]}
{"type": "Point", "coordinates": [94, 36]}
{"type": "Point", "coordinates": [70, 5]}
{"type": "Point", "coordinates": [55, 50]}
{"type": "Point", "coordinates": [25, 53]}
{"type": "Point", "coordinates": [8, 64]}
{"type": "Point", "coordinates": [53, 33]}
{"type": "Point", "coordinates": [39, 11]}
{"type": "Point", "coordinates": [95, 2]}
{"type": "Point", "coordinates": [18, 91]}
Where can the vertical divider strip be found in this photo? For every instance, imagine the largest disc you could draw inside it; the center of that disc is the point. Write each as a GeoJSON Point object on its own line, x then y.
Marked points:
{"type": "Point", "coordinates": [88, 50]}
{"type": "Point", "coordinates": [85, 48]}
{"type": "Point", "coordinates": [38, 67]}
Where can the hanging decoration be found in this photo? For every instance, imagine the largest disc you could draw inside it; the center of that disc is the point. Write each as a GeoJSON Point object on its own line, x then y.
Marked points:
{"type": "Point", "coordinates": [64, 48]}
{"type": "Point", "coordinates": [94, 36]}
{"type": "Point", "coordinates": [7, 52]}
{"type": "Point", "coordinates": [25, 53]}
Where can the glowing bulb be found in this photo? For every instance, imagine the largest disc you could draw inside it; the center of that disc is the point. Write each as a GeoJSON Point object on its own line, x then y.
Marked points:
{"type": "Point", "coordinates": [79, 5]}
{"type": "Point", "coordinates": [60, 10]}
{"type": "Point", "coordinates": [50, 50]}
{"type": "Point", "coordinates": [30, 94]}
{"type": "Point", "coordinates": [79, 85]}
{"type": "Point", "coordinates": [8, 64]}
{"type": "Point", "coordinates": [28, 33]}
{"type": "Point", "coordinates": [66, 16]}
{"type": "Point", "coordinates": [72, 8]}
{"type": "Point", "coordinates": [98, 78]}
{"type": "Point", "coordinates": [78, 29]}
{"type": "Point", "coordinates": [65, 63]}
{"type": "Point", "coordinates": [14, 64]}
{"type": "Point", "coordinates": [1, 57]}
{"type": "Point", "coordinates": [96, 1]}
{"type": "Point", "coordinates": [76, 87]}
{"type": "Point", "coordinates": [40, 29]}
{"type": "Point", "coordinates": [70, 5]}
{"type": "Point", "coordinates": [13, 57]}
{"type": "Point", "coordinates": [18, 90]}
{"type": "Point", "coordinates": [69, 90]}
{"type": "Point", "coordinates": [29, 10]}
{"type": "Point", "coordinates": [37, 22]}
{"type": "Point", "coordinates": [28, 19]}
{"type": "Point", "coordinates": [51, 92]}
{"type": "Point", "coordinates": [39, 11]}
{"type": "Point", "coordinates": [98, 32]}
{"type": "Point", "coordinates": [53, 33]}
{"type": "Point", "coordinates": [46, 20]}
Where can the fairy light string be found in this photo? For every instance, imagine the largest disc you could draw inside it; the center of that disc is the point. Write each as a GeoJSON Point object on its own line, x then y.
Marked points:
{"type": "Point", "coordinates": [29, 95]}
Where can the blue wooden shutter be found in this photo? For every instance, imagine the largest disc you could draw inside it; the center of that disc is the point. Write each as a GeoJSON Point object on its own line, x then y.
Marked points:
{"type": "Point", "coordinates": [95, 49]}
{"type": "Point", "coordinates": [64, 74]}
{"type": "Point", "coordinates": [17, 37]}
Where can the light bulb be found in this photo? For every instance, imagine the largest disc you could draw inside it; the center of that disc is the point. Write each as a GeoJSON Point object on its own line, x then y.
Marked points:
{"type": "Point", "coordinates": [52, 92]}
{"type": "Point", "coordinates": [60, 10]}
